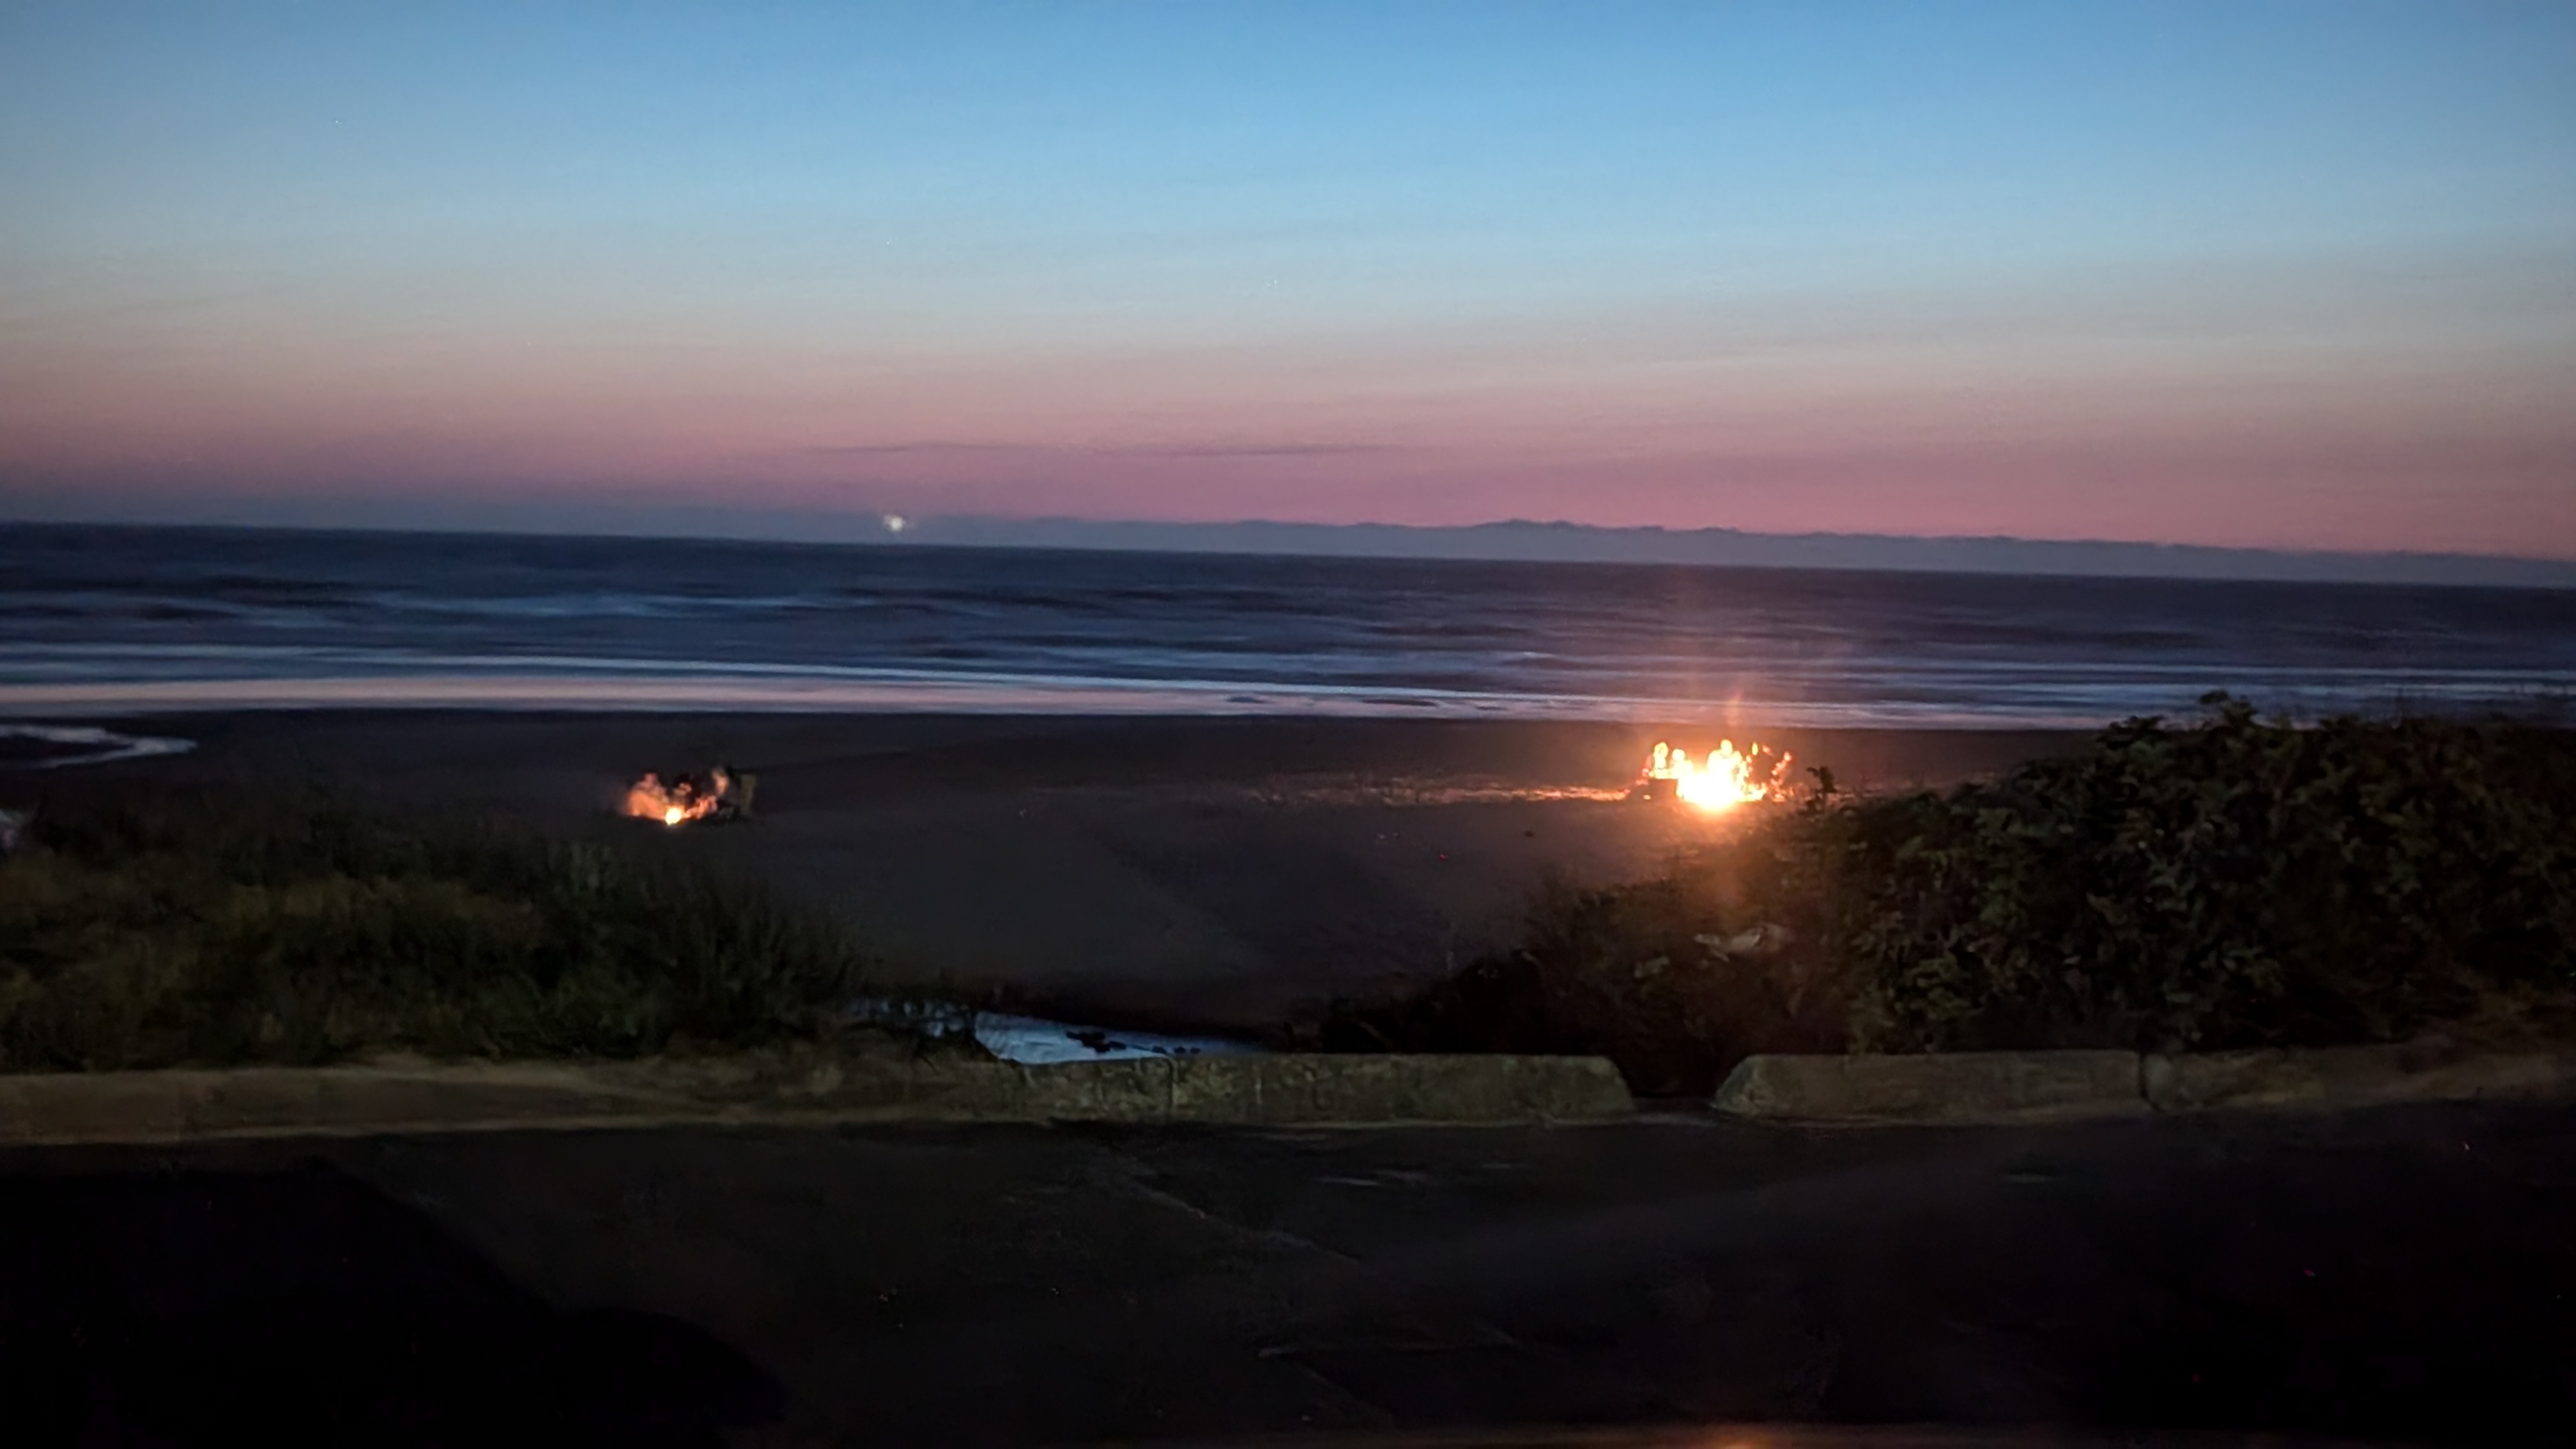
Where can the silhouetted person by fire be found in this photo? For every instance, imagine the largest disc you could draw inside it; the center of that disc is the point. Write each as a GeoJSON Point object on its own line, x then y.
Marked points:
{"type": "Point", "coordinates": [646, 797]}
{"type": "Point", "coordinates": [725, 794]}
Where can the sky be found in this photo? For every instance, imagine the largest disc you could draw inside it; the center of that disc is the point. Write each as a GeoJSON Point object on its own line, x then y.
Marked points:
{"type": "Point", "coordinates": [2245, 274]}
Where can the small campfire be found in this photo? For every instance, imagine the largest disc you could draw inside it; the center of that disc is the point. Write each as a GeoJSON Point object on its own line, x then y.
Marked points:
{"type": "Point", "coordinates": [1723, 779]}
{"type": "Point", "coordinates": [722, 795]}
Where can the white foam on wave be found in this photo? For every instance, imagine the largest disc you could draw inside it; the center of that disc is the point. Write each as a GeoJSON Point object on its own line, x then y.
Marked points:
{"type": "Point", "coordinates": [98, 746]}
{"type": "Point", "coordinates": [931, 694]}
{"type": "Point", "coordinates": [1954, 695]}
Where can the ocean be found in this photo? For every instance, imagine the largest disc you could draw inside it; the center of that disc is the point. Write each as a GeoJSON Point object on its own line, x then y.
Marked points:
{"type": "Point", "coordinates": [112, 621]}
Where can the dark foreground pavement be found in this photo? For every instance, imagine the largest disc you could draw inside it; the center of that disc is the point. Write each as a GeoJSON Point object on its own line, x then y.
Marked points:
{"type": "Point", "coordinates": [2403, 1274]}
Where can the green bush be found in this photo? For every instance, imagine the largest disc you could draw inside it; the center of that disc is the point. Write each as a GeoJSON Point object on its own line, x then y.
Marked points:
{"type": "Point", "coordinates": [2231, 884]}
{"type": "Point", "coordinates": [2228, 883]}
{"type": "Point", "coordinates": [202, 932]}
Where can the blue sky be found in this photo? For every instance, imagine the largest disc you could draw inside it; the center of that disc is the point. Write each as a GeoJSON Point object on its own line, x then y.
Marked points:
{"type": "Point", "coordinates": [2294, 275]}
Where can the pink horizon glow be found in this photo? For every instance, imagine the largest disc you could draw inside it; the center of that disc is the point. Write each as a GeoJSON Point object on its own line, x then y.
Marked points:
{"type": "Point", "coordinates": [2237, 276]}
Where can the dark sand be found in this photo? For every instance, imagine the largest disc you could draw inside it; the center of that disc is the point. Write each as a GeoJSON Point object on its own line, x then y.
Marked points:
{"type": "Point", "coordinates": [1182, 872]}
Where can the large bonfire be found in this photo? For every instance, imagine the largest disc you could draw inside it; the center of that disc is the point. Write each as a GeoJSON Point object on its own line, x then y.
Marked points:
{"type": "Point", "coordinates": [723, 795]}
{"type": "Point", "coordinates": [1721, 780]}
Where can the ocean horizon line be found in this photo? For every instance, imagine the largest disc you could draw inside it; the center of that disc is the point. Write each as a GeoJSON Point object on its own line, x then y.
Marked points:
{"type": "Point", "coordinates": [1527, 541]}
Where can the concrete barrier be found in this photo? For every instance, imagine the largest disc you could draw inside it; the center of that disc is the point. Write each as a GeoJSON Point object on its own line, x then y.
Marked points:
{"type": "Point", "coordinates": [131, 1107]}
{"type": "Point", "coordinates": [258, 1101]}
{"type": "Point", "coordinates": [2362, 1076]}
{"type": "Point", "coordinates": [1941, 1087]}
{"type": "Point", "coordinates": [1271, 1090]}
{"type": "Point", "coordinates": [1977, 1087]}
{"type": "Point", "coordinates": [1283, 1089]}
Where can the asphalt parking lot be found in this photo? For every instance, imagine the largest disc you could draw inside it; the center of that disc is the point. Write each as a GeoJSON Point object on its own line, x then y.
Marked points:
{"type": "Point", "coordinates": [2404, 1274]}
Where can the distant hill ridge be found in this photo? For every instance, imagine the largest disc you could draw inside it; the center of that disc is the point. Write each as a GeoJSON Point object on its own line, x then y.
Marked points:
{"type": "Point", "coordinates": [1515, 540]}
{"type": "Point", "coordinates": [1572, 542]}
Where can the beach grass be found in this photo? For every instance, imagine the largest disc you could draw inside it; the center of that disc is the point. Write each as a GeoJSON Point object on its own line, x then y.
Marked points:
{"type": "Point", "coordinates": [2224, 882]}
{"type": "Point", "coordinates": [232, 928]}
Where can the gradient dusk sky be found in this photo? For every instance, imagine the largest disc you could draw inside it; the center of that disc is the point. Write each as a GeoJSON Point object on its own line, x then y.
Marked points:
{"type": "Point", "coordinates": [2292, 275]}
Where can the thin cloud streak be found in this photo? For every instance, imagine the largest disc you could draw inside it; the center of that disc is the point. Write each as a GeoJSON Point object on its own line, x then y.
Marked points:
{"type": "Point", "coordinates": [1167, 450]}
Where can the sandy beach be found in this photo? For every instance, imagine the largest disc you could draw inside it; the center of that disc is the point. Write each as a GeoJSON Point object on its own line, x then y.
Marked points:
{"type": "Point", "coordinates": [1224, 874]}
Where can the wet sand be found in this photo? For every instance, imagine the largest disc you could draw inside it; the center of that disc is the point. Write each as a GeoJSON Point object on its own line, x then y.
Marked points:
{"type": "Point", "coordinates": [1189, 873]}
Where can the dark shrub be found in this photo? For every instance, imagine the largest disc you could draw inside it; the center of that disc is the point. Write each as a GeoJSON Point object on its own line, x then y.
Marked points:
{"type": "Point", "coordinates": [1642, 973]}
{"type": "Point", "coordinates": [2230, 883]}
{"type": "Point", "coordinates": [209, 933]}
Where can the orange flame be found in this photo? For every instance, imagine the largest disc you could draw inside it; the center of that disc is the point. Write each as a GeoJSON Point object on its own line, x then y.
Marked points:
{"type": "Point", "coordinates": [679, 802]}
{"type": "Point", "coordinates": [1726, 778]}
